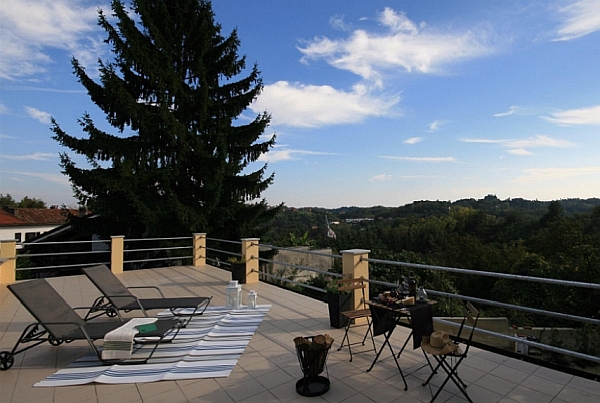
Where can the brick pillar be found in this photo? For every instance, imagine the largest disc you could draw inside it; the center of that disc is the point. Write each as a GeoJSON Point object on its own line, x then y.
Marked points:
{"type": "Point", "coordinates": [250, 253]}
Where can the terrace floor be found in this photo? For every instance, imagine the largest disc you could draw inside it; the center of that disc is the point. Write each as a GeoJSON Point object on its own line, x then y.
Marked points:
{"type": "Point", "coordinates": [269, 368]}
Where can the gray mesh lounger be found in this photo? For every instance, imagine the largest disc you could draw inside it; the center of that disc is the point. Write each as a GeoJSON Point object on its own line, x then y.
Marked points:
{"type": "Point", "coordinates": [116, 297]}
{"type": "Point", "coordinates": [57, 322]}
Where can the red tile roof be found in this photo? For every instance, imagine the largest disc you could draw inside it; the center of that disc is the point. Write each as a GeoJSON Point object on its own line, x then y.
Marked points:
{"type": "Point", "coordinates": [34, 216]}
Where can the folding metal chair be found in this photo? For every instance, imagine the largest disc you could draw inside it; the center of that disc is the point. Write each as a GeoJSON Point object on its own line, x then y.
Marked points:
{"type": "Point", "coordinates": [450, 351]}
{"type": "Point", "coordinates": [362, 312]}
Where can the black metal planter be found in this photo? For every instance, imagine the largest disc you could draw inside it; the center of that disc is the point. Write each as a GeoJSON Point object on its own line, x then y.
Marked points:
{"type": "Point", "coordinates": [312, 358]}
{"type": "Point", "coordinates": [337, 302]}
{"type": "Point", "coordinates": [238, 272]}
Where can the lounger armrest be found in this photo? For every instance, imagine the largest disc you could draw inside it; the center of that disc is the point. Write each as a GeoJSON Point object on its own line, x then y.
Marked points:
{"type": "Point", "coordinates": [149, 286]}
{"type": "Point", "coordinates": [132, 297]}
{"type": "Point", "coordinates": [85, 333]}
{"type": "Point", "coordinates": [91, 308]}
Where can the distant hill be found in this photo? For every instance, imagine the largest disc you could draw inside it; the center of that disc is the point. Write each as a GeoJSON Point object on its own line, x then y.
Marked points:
{"type": "Point", "coordinates": [533, 209]}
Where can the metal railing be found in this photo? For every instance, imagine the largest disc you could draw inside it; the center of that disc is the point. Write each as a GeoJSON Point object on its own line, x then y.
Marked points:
{"type": "Point", "coordinates": [218, 256]}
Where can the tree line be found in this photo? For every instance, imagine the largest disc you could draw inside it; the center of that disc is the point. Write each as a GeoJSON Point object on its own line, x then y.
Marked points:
{"type": "Point", "coordinates": [558, 239]}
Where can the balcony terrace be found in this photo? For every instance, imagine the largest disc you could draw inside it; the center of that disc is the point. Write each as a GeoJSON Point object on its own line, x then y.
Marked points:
{"type": "Point", "coordinates": [268, 369]}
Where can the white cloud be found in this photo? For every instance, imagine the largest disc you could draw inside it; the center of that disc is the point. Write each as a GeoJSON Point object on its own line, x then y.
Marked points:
{"type": "Point", "coordinates": [398, 22]}
{"type": "Point", "coordinates": [34, 157]}
{"type": "Point", "coordinates": [381, 178]}
{"type": "Point", "coordinates": [29, 28]}
{"type": "Point", "coordinates": [423, 176]}
{"type": "Point", "coordinates": [519, 147]}
{"type": "Point", "coordinates": [55, 178]}
{"type": "Point", "coordinates": [299, 105]}
{"type": "Point", "coordinates": [403, 47]}
{"type": "Point", "coordinates": [583, 116]}
{"type": "Point", "coordinates": [421, 159]}
{"type": "Point", "coordinates": [284, 154]}
{"type": "Point", "coordinates": [434, 126]}
{"type": "Point", "coordinates": [337, 22]}
{"type": "Point", "coordinates": [553, 174]}
{"type": "Point", "coordinates": [511, 110]}
{"type": "Point", "coordinates": [413, 140]}
{"type": "Point", "coordinates": [579, 18]}
{"type": "Point", "coordinates": [41, 116]}
{"type": "Point", "coordinates": [4, 109]}
{"type": "Point", "coordinates": [519, 151]}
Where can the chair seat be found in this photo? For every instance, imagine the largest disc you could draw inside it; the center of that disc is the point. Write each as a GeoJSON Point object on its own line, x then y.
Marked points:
{"type": "Point", "coordinates": [359, 313]}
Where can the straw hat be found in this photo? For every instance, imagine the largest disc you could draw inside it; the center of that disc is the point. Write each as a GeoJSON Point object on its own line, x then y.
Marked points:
{"type": "Point", "coordinates": [438, 343]}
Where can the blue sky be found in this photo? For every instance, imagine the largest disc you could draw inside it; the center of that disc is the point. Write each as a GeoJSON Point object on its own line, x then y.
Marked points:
{"type": "Point", "coordinates": [373, 102]}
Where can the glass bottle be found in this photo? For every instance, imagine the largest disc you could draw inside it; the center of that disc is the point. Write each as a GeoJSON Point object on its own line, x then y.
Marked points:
{"type": "Point", "coordinates": [412, 285]}
{"type": "Point", "coordinates": [252, 296]}
{"type": "Point", "coordinates": [421, 294]}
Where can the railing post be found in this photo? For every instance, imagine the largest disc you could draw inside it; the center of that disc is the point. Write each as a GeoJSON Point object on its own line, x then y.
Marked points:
{"type": "Point", "coordinates": [117, 243]}
{"type": "Point", "coordinates": [354, 267]}
{"type": "Point", "coordinates": [8, 261]}
{"type": "Point", "coordinates": [250, 254]}
{"type": "Point", "coordinates": [199, 249]}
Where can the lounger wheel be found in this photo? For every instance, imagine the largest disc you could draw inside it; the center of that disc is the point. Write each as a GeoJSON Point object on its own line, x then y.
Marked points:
{"type": "Point", "coordinates": [6, 360]}
{"type": "Point", "coordinates": [54, 341]}
{"type": "Point", "coordinates": [111, 312]}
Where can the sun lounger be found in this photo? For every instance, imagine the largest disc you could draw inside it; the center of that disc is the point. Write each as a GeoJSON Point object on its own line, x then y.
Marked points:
{"type": "Point", "coordinates": [58, 323]}
{"type": "Point", "coordinates": [116, 297]}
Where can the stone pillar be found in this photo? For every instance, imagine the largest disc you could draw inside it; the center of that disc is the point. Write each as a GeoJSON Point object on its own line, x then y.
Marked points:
{"type": "Point", "coordinates": [250, 254]}
{"type": "Point", "coordinates": [355, 267]}
{"type": "Point", "coordinates": [117, 243]}
{"type": "Point", "coordinates": [199, 250]}
{"type": "Point", "coordinates": [8, 261]}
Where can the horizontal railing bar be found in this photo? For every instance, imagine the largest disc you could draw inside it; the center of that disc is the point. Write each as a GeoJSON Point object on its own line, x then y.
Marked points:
{"type": "Point", "coordinates": [310, 252]}
{"type": "Point", "coordinates": [61, 253]}
{"type": "Point", "coordinates": [536, 311]}
{"type": "Point", "coordinates": [488, 302]}
{"type": "Point", "coordinates": [290, 281]}
{"type": "Point", "coordinates": [59, 266]}
{"type": "Point", "coordinates": [542, 346]}
{"type": "Point", "coordinates": [157, 259]}
{"type": "Point", "coordinates": [224, 251]}
{"type": "Point", "coordinates": [328, 273]}
{"type": "Point", "coordinates": [224, 240]}
{"type": "Point", "coordinates": [489, 274]}
{"type": "Point", "coordinates": [153, 249]}
{"type": "Point", "coordinates": [61, 243]}
{"type": "Point", "coordinates": [159, 239]}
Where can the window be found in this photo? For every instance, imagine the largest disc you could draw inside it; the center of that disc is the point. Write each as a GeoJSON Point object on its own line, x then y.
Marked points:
{"type": "Point", "coordinates": [18, 236]}
{"type": "Point", "coordinates": [30, 235]}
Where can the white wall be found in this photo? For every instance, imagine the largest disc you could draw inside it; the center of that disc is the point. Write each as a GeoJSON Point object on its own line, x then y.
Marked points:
{"type": "Point", "coordinates": [9, 232]}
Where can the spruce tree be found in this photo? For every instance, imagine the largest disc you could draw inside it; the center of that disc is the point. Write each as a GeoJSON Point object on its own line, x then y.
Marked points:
{"type": "Point", "coordinates": [179, 159]}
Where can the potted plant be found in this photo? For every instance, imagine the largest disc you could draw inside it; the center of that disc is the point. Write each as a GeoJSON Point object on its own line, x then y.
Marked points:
{"type": "Point", "coordinates": [238, 269]}
{"type": "Point", "coordinates": [337, 302]}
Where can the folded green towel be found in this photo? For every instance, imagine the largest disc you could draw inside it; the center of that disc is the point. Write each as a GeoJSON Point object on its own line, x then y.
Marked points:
{"type": "Point", "coordinates": [150, 327]}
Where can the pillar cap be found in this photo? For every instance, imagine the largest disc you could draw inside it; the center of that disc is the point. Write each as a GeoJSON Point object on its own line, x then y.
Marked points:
{"type": "Point", "coordinates": [356, 251]}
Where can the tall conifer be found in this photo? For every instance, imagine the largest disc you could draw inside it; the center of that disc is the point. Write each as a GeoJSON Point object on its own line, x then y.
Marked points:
{"type": "Point", "coordinates": [179, 161]}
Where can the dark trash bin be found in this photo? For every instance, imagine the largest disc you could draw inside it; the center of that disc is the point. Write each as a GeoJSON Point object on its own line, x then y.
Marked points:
{"type": "Point", "coordinates": [312, 354]}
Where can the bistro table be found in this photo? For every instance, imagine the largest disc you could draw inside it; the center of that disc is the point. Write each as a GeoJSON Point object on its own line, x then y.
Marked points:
{"type": "Point", "coordinates": [385, 319]}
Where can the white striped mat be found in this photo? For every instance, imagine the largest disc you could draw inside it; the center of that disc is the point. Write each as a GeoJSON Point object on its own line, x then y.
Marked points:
{"type": "Point", "coordinates": [209, 347]}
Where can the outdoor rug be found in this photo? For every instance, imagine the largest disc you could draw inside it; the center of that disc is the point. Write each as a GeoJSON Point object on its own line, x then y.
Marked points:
{"type": "Point", "coordinates": [209, 347]}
